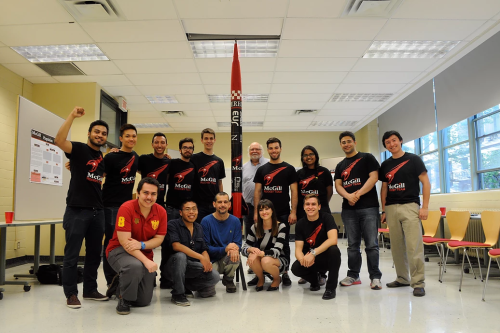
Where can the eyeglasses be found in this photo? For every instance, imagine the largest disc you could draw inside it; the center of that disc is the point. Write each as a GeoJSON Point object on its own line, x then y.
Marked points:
{"type": "Point", "coordinates": [194, 209]}
{"type": "Point", "coordinates": [255, 149]}
{"type": "Point", "coordinates": [187, 148]}
{"type": "Point", "coordinates": [308, 155]}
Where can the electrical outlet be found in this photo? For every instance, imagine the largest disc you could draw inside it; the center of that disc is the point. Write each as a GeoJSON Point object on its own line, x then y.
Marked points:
{"type": "Point", "coordinates": [18, 245]}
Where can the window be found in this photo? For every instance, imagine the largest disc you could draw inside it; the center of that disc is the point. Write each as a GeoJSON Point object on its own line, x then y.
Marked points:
{"type": "Point", "coordinates": [487, 129]}
{"type": "Point", "coordinates": [456, 160]}
{"type": "Point", "coordinates": [114, 117]}
{"type": "Point", "coordinates": [430, 156]}
{"type": "Point", "coordinates": [409, 147]}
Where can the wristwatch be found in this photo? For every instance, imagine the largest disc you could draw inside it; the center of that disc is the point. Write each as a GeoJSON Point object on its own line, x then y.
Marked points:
{"type": "Point", "coordinates": [312, 252]}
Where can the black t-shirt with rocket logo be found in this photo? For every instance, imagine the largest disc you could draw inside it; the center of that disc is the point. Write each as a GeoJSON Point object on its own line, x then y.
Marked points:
{"type": "Point", "coordinates": [181, 178]}
{"type": "Point", "coordinates": [314, 233]}
{"type": "Point", "coordinates": [401, 176]}
{"type": "Point", "coordinates": [121, 168]}
{"type": "Point", "coordinates": [354, 172]}
{"type": "Point", "coordinates": [209, 170]}
{"type": "Point", "coordinates": [87, 170]}
{"type": "Point", "coordinates": [313, 181]}
{"type": "Point", "coordinates": [157, 168]}
{"type": "Point", "coordinates": [275, 180]}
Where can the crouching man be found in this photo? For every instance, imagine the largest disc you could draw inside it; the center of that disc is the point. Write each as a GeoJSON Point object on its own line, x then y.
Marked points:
{"type": "Point", "coordinates": [316, 247]}
{"type": "Point", "coordinates": [189, 268]}
{"type": "Point", "coordinates": [141, 225]}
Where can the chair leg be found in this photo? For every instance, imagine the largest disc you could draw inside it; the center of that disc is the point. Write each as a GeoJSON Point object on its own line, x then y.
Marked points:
{"type": "Point", "coordinates": [479, 264]}
{"type": "Point", "coordinates": [382, 236]}
{"type": "Point", "coordinates": [443, 265]}
{"type": "Point", "coordinates": [242, 273]}
{"type": "Point", "coordinates": [462, 272]}
{"type": "Point", "coordinates": [487, 275]}
{"type": "Point", "coordinates": [470, 265]}
{"type": "Point", "coordinates": [446, 259]}
{"type": "Point", "coordinates": [441, 259]}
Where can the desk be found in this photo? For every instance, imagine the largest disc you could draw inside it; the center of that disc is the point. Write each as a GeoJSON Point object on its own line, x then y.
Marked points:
{"type": "Point", "coordinates": [3, 249]}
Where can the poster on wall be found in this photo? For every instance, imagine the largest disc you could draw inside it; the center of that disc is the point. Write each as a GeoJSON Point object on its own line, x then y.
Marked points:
{"type": "Point", "coordinates": [46, 160]}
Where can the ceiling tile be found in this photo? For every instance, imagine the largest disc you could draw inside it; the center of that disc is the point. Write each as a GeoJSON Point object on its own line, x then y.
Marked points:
{"type": "Point", "coordinates": [392, 65]}
{"type": "Point", "coordinates": [283, 113]}
{"type": "Point", "coordinates": [408, 29]}
{"type": "Point", "coordinates": [298, 97]}
{"type": "Point", "coordinates": [198, 113]}
{"type": "Point", "coordinates": [26, 70]}
{"type": "Point", "coordinates": [135, 31]}
{"type": "Point", "coordinates": [196, 126]}
{"type": "Point", "coordinates": [215, 65]}
{"type": "Point", "coordinates": [316, 8]}
{"type": "Point", "coordinates": [140, 116]}
{"type": "Point", "coordinates": [380, 77]}
{"type": "Point", "coordinates": [338, 118]}
{"type": "Point", "coordinates": [286, 124]}
{"type": "Point", "coordinates": [247, 89]}
{"type": "Point", "coordinates": [347, 112]}
{"type": "Point", "coordinates": [314, 64]}
{"type": "Point", "coordinates": [9, 56]}
{"type": "Point", "coordinates": [164, 79]}
{"type": "Point", "coordinates": [43, 34]}
{"type": "Point", "coordinates": [156, 66]}
{"type": "Point", "coordinates": [191, 99]}
{"type": "Point", "coordinates": [171, 89]}
{"type": "Point", "coordinates": [292, 118]}
{"type": "Point", "coordinates": [303, 88]}
{"type": "Point", "coordinates": [269, 26]}
{"type": "Point", "coordinates": [103, 80]}
{"type": "Point", "coordinates": [147, 50]}
{"type": "Point", "coordinates": [246, 78]}
{"type": "Point", "coordinates": [230, 9]}
{"type": "Point", "coordinates": [295, 106]}
{"type": "Point", "coordinates": [183, 106]}
{"type": "Point", "coordinates": [29, 12]}
{"type": "Point", "coordinates": [41, 79]}
{"type": "Point", "coordinates": [98, 67]}
{"type": "Point", "coordinates": [322, 49]}
{"type": "Point", "coordinates": [448, 9]}
{"type": "Point", "coordinates": [309, 77]}
{"type": "Point", "coordinates": [332, 29]}
{"type": "Point", "coordinates": [147, 9]}
{"type": "Point", "coordinates": [144, 107]}
{"type": "Point", "coordinates": [368, 88]}
{"type": "Point", "coordinates": [351, 105]}
{"type": "Point", "coordinates": [179, 120]}
{"type": "Point", "coordinates": [122, 91]}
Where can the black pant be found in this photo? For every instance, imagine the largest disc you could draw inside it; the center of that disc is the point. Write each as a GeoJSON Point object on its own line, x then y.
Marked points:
{"type": "Point", "coordinates": [326, 261]}
{"type": "Point", "coordinates": [109, 229]}
{"type": "Point", "coordinates": [204, 210]}
{"type": "Point", "coordinates": [248, 219]}
{"type": "Point", "coordinates": [79, 224]}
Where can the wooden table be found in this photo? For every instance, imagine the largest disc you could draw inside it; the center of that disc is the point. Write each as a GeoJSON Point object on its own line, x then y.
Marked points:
{"type": "Point", "coordinates": [3, 249]}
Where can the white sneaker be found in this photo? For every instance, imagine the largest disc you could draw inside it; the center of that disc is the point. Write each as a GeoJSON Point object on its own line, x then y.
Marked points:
{"type": "Point", "coordinates": [376, 284]}
{"type": "Point", "coordinates": [349, 281]}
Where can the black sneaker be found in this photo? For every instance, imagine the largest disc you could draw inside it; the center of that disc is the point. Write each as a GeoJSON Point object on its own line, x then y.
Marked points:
{"type": "Point", "coordinates": [113, 286]}
{"type": "Point", "coordinates": [253, 282]}
{"type": "Point", "coordinates": [188, 293]}
{"type": "Point", "coordinates": [123, 307]}
{"type": "Point", "coordinates": [314, 287]}
{"type": "Point", "coordinates": [230, 287]}
{"type": "Point", "coordinates": [286, 280]}
{"type": "Point", "coordinates": [329, 294]}
{"type": "Point", "coordinates": [180, 300]}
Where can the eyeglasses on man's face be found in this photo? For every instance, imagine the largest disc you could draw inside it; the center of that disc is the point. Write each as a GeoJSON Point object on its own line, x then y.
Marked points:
{"type": "Point", "coordinates": [308, 155]}
{"type": "Point", "coordinates": [187, 148]}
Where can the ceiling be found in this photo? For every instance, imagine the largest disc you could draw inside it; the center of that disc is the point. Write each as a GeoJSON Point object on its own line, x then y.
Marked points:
{"type": "Point", "coordinates": [320, 54]}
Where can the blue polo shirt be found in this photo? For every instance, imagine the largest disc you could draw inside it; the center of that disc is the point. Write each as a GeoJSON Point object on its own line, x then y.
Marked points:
{"type": "Point", "coordinates": [218, 234]}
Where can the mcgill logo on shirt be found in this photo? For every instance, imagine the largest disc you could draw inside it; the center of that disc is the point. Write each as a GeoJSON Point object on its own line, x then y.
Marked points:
{"type": "Point", "coordinates": [93, 167]}
{"type": "Point", "coordinates": [181, 175]}
{"type": "Point", "coordinates": [390, 177]}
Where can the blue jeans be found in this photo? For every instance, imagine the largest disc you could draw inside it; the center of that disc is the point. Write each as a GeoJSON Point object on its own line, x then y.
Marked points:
{"type": "Point", "coordinates": [362, 223]}
{"type": "Point", "coordinates": [109, 229]}
{"type": "Point", "coordinates": [79, 224]}
{"type": "Point", "coordinates": [184, 272]}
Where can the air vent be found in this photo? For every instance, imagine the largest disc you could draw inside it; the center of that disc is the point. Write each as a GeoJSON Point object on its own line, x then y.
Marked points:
{"type": "Point", "coordinates": [370, 8]}
{"type": "Point", "coordinates": [60, 68]}
{"type": "Point", "coordinates": [333, 123]}
{"type": "Point", "coordinates": [91, 11]}
{"type": "Point", "coordinates": [152, 125]}
{"type": "Point", "coordinates": [353, 97]}
{"type": "Point", "coordinates": [305, 112]}
{"type": "Point", "coordinates": [173, 113]}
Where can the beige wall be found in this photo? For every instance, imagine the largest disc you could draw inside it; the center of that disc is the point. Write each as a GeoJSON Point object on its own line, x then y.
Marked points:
{"type": "Point", "coordinates": [11, 85]}
{"type": "Point", "coordinates": [367, 139]}
{"type": "Point", "coordinates": [292, 143]}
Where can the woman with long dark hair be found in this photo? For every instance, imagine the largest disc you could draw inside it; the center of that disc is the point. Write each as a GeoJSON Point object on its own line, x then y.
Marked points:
{"type": "Point", "coordinates": [264, 246]}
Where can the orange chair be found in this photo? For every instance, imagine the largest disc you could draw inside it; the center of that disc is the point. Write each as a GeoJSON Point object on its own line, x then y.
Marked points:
{"type": "Point", "coordinates": [457, 222]}
{"type": "Point", "coordinates": [430, 229]}
{"type": "Point", "coordinates": [491, 226]}
{"type": "Point", "coordinates": [381, 232]}
{"type": "Point", "coordinates": [495, 253]}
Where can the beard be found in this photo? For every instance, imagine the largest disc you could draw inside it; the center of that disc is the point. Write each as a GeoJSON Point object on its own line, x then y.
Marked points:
{"type": "Point", "coordinates": [187, 155]}
{"type": "Point", "coordinates": [95, 143]}
{"type": "Point", "coordinates": [273, 158]}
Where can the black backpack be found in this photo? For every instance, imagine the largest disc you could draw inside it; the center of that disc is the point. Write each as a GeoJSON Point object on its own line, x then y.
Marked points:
{"type": "Point", "coordinates": [52, 274]}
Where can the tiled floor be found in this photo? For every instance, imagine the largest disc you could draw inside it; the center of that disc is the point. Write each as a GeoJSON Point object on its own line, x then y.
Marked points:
{"type": "Point", "coordinates": [292, 309]}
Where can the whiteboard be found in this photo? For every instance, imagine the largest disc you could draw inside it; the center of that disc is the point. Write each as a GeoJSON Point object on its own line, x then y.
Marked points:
{"type": "Point", "coordinates": [34, 201]}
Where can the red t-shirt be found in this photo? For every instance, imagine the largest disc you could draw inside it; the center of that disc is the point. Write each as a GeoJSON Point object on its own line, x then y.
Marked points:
{"type": "Point", "coordinates": [130, 219]}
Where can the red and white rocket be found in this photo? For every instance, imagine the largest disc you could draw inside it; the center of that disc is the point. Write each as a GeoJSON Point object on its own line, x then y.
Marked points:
{"type": "Point", "coordinates": [236, 136]}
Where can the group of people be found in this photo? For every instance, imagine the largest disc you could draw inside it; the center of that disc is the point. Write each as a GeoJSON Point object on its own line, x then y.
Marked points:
{"type": "Point", "coordinates": [203, 241]}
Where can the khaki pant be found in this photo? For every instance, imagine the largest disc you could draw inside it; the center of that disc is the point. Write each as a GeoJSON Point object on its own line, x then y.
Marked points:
{"type": "Point", "coordinates": [407, 248]}
{"type": "Point", "coordinates": [226, 267]}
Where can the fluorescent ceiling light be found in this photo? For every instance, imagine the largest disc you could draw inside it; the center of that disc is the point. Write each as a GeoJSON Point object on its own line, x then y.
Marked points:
{"type": "Point", "coordinates": [251, 98]}
{"type": "Point", "coordinates": [56, 53]}
{"type": "Point", "coordinates": [332, 123]}
{"type": "Point", "coordinates": [411, 49]}
{"type": "Point", "coordinates": [151, 125]}
{"type": "Point", "coordinates": [166, 99]}
{"type": "Point", "coordinates": [245, 124]}
{"type": "Point", "coordinates": [352, 97]}
{"type": "Point", "coordinates": [224, 48]}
